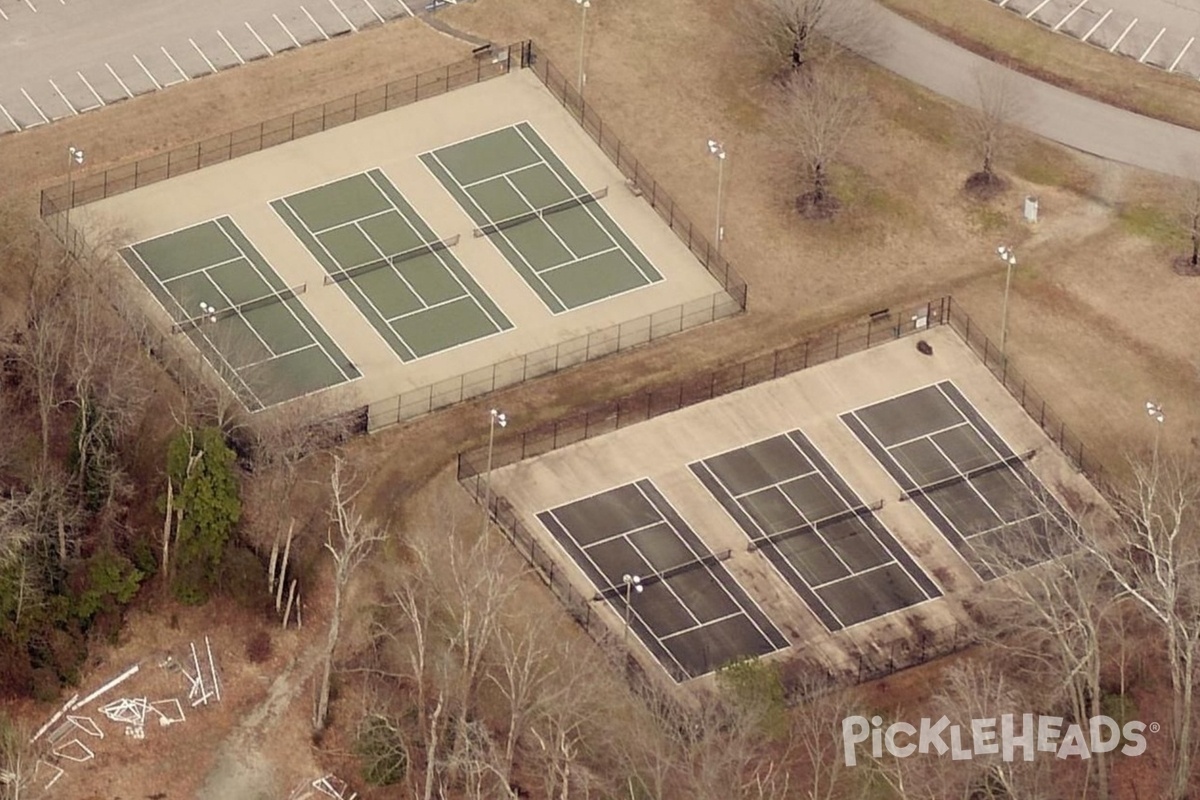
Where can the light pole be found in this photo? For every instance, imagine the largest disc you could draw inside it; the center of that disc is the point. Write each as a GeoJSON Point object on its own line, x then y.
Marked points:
{"type": "Point", "coordinates": [584, 5]}
{"type": "Point", "coordinates": [495, 418]}
{"type": "Point", "coordinates": [1010, 259]}
{"type": "Point", "coordinates": [633, 583]}
{"type": "Point", "coordinates": [717, 149]}
{"type": "Point", "coordinates": [1155, 412]}
{"type": "Point", "coordinates": [74, 158]}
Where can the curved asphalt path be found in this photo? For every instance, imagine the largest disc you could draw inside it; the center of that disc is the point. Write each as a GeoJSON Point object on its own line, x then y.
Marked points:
{"type": "Point", "coordinates": [1077, 122]}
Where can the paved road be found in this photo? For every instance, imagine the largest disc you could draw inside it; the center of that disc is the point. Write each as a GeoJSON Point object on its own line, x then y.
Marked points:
{"type": "Point", "coordinates": [1075, 121]}
{"type": "Point", "coordinates": [64, 57]}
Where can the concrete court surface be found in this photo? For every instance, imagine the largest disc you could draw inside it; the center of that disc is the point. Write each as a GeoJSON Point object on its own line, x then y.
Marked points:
{"type": "Point", "coordinates": [811, 400]}
{"type": "Point", "coordinates": [243, 188]}
{"type": "Point", "coordinates": [64, 57]}
{"type": "Point", "coordinates": [1161, 33]}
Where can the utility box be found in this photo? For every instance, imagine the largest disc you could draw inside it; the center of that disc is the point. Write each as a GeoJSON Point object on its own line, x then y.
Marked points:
{"type": "Point", "coordinates": [1031, 208]}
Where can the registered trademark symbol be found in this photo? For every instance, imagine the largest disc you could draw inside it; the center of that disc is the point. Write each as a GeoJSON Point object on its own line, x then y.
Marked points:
{"type": "Point", "coordinates": [1155, 727]}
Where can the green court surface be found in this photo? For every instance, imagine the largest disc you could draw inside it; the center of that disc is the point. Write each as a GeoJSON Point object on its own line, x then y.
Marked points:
{"type": "Point", "coordinates": [572, 253]}
{"type": "Point", "coordinates": [251, 327]}
{"type": "Point", "coordinates": [390, 264]}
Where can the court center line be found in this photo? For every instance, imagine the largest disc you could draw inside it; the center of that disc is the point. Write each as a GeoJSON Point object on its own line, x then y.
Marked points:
{"type": "Point", "coordinates": [549, 227]}
{"type": "Point", "coordinates": [400, 275]}
{"type": "Point", "coordinates": [235, 52]}
{"type": "Point", "coordinates": [353, 27]}
{"type": "Point", "coordinates": [70, 105]}
{"type": "Point", "coordinates": [113, 72]}
{"type": "Point", "coordinates": [174, 64]}
{"type": "Point", "coordinates": [151, 77]}
{"type": "Point", "coordinates": [254, 33]}
{"type": "Point", "coordinates": [41, 113]}
{"type": "Point", "coordinates": [91, 89]}
{"type": "Point", "coordinates": [315, 23]}
{"type": "Point", "coordinates": [237, 311]}
{"type": "Point", "coordinates": [8, 117]}
{"type": "Point", "coordinates": [483, 212]}
{"type": "Point", "coordinates": [279, 22]}
{"type": "Point", "coordinates": [196, 47]}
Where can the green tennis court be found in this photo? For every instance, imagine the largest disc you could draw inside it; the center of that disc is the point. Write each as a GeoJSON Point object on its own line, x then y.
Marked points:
{"type": "Point", "coordinates": [403, 279]}
{"type": "Point", "coordinates": [549, 227]}
{"type": "Point", "coordinates": [251, 327]}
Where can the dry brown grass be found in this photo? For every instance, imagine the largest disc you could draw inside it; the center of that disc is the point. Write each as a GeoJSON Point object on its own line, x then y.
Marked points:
{"type": "Point", "coordinates": [1007, 38]}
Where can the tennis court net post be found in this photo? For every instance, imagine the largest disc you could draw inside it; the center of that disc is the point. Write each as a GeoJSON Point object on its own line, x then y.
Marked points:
{"type": "Point", "coordinates": [667, 574]}
{"type": "Point", "coordinates": [541, 213]}
{"type": "Point", "coordinates": [427, 248]}
{"type": "Point", "coordinates": [216, 314]}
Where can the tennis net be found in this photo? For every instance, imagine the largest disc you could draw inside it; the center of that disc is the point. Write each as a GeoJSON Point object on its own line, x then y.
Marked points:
{"type": "Point", "coordinates": [416, 252]}
{"type": "Point", "coordinates": [214, 314]}
{"type": "Point", "coordinates": [671, 572]}
{"type": "Point", "coordinates": [541, 213]}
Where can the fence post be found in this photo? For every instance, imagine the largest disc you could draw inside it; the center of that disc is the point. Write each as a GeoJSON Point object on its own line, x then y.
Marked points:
{"type": "Point", "coordinates": [837, 344]}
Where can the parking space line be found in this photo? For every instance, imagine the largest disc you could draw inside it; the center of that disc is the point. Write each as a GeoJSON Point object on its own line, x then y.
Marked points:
{"type": "Point", "coordinates": [1121, 38]}
{"type": "Point", "coordinates": [1070, 14]}
{"type": "Point", "coordinates": [1036, 9]}
{"type": "Point", "coordinates": [1003, 3]}
{"type": "Point", "coordinates": [373, 11]}
{"type": "Point", "coordinates": [1182, 53]}
{"type": "Point", "coordinates": [348, 22]}
{"type": "Point", "coordinates": [235, 52]}
{"type": "Point", "coordinates": [285, 30]}
{"type": "Point", "coordinates": [174, 64]}
{"type": "Point", "coordinates": [70, 105]}
{"type": "Point", "coordinates": [8, 117]}
{"type": "Point", "coordinates": [35, 106]}
{"type": "Point", "coordinates": [407, 10]}
{"type": "Point", "coordinates": [95, 94]}
{"type": "Point", "coordinates": [153, 79]}
{"type": "Point", "coordinates": [254, 33]}
{"type": "Point", "coordinates": [32, 7]}
{"type": "Point", "coordinates": [1096, 27]}
{"type": "Point", "coordinates": [113, 72]}
{"type": "Point", "coordinates": [314, 22]}
{"type": "Point", "coordinates": [1142, 60]}
{"type": "Point", "coordinates": [2, 14]}
{"type": "Point", "coordinates": [201, 52]}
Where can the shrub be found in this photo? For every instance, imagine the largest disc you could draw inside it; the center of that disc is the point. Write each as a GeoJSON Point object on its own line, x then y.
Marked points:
{"type": "Point", "coordinates": [258, 646]}
{"type": "Point", "coordinates": [382, 753]}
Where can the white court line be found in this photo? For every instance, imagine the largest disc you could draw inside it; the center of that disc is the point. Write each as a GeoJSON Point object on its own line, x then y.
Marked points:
{"type": "Point", "coordinates": [1070, 14]}
{"type": "Point", "coordinates": [8, 117]}
{"type": "Point", "coordinates": [1182, 53]}
{"type": "Point", "coordinates": [113, 72]}
{"type": "Point", "coordinates": [1121, 38]}
{"type": "Point", "coordinates": [235, 52]}
{"type": "Point", "coordinates": [174, 64]}
{"type": "Point", "coordinates": [285, 30]}
{"type": "Point", "coordinates": [151, 77]}
{"type": "Point", "coordinates": [1146, 54]}
{"type": "Point", "coordinates": [70, 105]}
{"type": "Point", "coordinates": [1036, 9]}
{"type": "Point", "coordinates": [95, 94]}
{"type": "Point", "coordinates": [353, 27]}
{"type": "Point", "coordinates": [270, 52]}
{"type": "Point", "coordinates": [373, 11]}
{"type": "Point", "coordinates": [35, 106]}
{"type": "Point", "coordinates": [201, 52]}
{"type": "Point", "coordinates": [314, 22]}
{"type": "Point", "coordinates": [1096, 27]}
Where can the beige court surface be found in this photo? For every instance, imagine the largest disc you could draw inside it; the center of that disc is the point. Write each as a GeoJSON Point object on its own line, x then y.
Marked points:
{"type": "Point", "coordinates": [811, 401]}
{"type": "Point", "coordinates": [243, 188]}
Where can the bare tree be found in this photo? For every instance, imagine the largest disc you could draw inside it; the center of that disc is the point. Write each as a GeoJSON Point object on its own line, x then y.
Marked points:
{"type": "Point", "coordinates": [991, 126]}
{"type": "Point", "coordinates": [349, 541]}
{"type": "Point", "coordinates": [17, 760]}
{"type": "Point", "coordinates": [1187, 218]}
{"type": "Point", "coordinates": [790, 34]}
{"type": "Point", "coordinates": [1153, 556]}
{"type": "Point", "coordinates": [819, 113]}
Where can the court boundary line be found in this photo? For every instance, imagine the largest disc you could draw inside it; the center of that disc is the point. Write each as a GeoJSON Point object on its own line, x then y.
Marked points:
{"type": "Point", "coordinates": [662, 519]}
{"type": "Point", "coordinates": [814, 529]}
{"type": "Point", "coordinates": [966, 538]}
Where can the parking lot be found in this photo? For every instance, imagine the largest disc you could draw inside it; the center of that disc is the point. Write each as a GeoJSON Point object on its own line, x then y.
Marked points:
{"type": "Point", "coordinates": [60, 58]}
